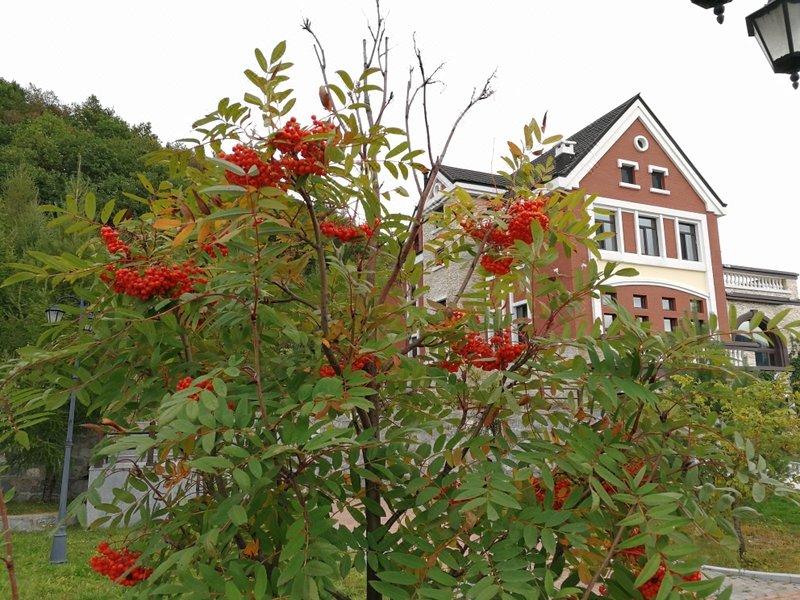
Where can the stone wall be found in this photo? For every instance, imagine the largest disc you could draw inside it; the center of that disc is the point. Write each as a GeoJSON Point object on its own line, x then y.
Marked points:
{"type": "Point", "coordinates": [33, 483]}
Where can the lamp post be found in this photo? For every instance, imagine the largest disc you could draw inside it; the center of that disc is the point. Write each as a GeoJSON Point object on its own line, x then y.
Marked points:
{"type": "Point", "coordinates": [776, 27]}
{"type": "Point", "coordinates": [58, 551]}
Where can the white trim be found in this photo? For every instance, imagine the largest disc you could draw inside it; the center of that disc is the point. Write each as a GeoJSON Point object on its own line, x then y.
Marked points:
{"type": "Point", "coordinates": [621, 162]}
{"type": "Point", "coordinates": [662, 210]}
{"type": "Point", "coordinates": [632, 186]}
{"type": "Point", "coordinates": [665, 173]}
{"type": "Point", "coordinates": [616, 214]}
{"type": "Point", "coordinates": [636, 111]}
{"type": "Point", "coordinates": [700, 220]}
{"type": "Point", "coordinates": [513, 305]}
{"type": "Point", "coordinates": [665, 283]}
{"type": "Point", "coordinates": [645, 143]}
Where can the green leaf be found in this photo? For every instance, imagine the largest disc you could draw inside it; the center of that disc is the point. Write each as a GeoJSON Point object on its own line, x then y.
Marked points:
{"type": "Point", "coordinates": [108, 208]}
{"type": "Point", "coordinates": [277, 52]}
{"type": "Point", "coordinates": [759, 493]}
{"type": "Point", "coordinates": [649, 569]}
{"type": "Point", "coordinates": [262, 60]}
{"type": "Point", "coordinates": [398, 577]}
{"type": "Point", "coordinates": [237, 515]}
{"type": "Point", "coordinates": [392, 591]}
{"type": "Point", "coordinates": [90, 206]}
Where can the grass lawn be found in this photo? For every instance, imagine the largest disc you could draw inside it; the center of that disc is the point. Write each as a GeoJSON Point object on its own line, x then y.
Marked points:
{"type": "Point", "coordinates": [27, 508]}
{"type": "Point", "coordinates": [39, 580]}
{"type": "Point", "coordinates": [771, 540]}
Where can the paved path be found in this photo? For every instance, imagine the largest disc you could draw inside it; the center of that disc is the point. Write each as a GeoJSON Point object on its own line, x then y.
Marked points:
{"type": "Point", "coordinates": [747, 588]}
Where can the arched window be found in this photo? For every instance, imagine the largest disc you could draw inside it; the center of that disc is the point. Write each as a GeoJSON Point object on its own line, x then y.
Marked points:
{"type": "Point", "coordinates": [770, 350]}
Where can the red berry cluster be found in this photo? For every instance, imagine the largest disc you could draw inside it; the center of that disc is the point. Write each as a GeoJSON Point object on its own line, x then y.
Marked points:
{"type": "Point", "coordinates": [348, 233]}
{"type": "Point", "coordinates": [212, 247]}
{"type": "Point", "coordinates": [111, 239]}
{"type": "Point", "coordinates": [450, 365]}
{"type": "Point", "coordinates": [522, 213]}
{"type": "Point", "coordinates": [359, 364]}
{"type": "Point", "coordinates": [518, 219]}
{"type": "Point", "coordinates": [155, 280]}
{"type": "Point", "coordinates": [119, 566]}
{"type": "Point", "coordinates": [497, 266]}
{"type": "Point", "coordinates": [269, 174]}
{"type": "Point", "coordinates": [561, 491]}
{"type": "Point", "coordinates": [650, 588]}
{"type": "Point", "coordinates": [299, 156]}
{"type": "Point", "coordinates": [186, 383]}
{"type": "Point", "coordinates": [495, 354]}
{"type": "Point", "coordinates": [146, 281]}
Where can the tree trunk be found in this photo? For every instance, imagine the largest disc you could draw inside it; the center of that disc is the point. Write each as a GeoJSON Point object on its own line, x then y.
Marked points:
{"type": "Point", "coordinates": [9, 557]}
{"type": "Point", "coordinates": [737, 526]}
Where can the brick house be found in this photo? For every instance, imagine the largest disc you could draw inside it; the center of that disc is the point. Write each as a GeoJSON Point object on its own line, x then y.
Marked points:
{"type": "Point", "coordinates": [661, 212]}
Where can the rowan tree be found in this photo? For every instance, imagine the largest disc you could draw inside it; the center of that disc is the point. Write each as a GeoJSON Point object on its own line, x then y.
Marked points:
{"type": "Point", "coordinates": [263, 320]}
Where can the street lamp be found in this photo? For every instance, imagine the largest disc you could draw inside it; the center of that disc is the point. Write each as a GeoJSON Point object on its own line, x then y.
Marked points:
{"type": "Point", "coordinates": [717, 5]}
{"type": "Point", "coordinates": [58, 551]}
{"type": "Point", "coordinates": [776, 27]}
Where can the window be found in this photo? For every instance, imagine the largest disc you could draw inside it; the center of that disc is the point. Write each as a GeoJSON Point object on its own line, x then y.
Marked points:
{"type": "Point", "coordinates": [668, 304]}
{"type": "Point", "coordinates": [648, 236]}
{"type": "Point", "coordinates": [642, 319]}
{"type": "Point", "coordinates": [609, 300]}
{"type": "Point", "coordinates": [658, 179]}
{"type": "Point", "coordinates": [608, 319]}
{"type": "Point", "coordinates": [442, 302]}
{"type": "Point", "coordinates": [413, 340]}
{"type": "Point", "coordinates": [670, 324]}
{"type": "Point", "coordinates": [639, 301]}
{"type": "Point", "coordinates": [627, 174]}
{"type": "Point", "coordinates": [696, 306]}
{"type": "Point", "coordinates": [687, 232]}
{"type": "Point", "coordinates": [520, 318]}
{"type": "Point", "coordinates": [608, 224]}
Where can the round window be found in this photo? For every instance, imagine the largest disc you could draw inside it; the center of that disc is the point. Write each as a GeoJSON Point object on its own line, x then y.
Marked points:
{"type": "Point", "coordinates": [641, 143]}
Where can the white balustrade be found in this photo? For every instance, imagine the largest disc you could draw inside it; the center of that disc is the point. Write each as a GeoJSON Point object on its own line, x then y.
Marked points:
{"type": "Point", "coordinates": [756, 282]}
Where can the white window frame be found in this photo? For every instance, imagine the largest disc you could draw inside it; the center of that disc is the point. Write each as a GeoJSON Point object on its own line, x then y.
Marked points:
{"type": "Point", "coordinates": [659, 233]}
{"type": "Point", "coordinates": [697, 239]}
{"type": "Point", "coordinates": [665, 173]}
{"type": "Point", "coordinates": [614, 213]}
{"type": "Point", "coordinates": [514, 305]}
{"type": "Point", "coordinates": [621, 162]}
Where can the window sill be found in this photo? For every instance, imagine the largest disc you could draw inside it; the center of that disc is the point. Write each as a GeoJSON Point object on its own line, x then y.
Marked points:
{"type": "Point", "coordinates": [630, 186]}
{"type": "Point", "coordinates": [660, 191]}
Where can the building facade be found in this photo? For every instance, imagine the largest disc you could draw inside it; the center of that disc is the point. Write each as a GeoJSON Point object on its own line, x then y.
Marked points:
{"type": "Point", "coordinates": [659, 213]}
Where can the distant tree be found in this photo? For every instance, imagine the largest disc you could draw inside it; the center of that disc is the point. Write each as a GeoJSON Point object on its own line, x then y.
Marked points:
{"type": "Point", "coordinates": [51, 139]}
{"type": "Point", "coordinates": [22, 228]}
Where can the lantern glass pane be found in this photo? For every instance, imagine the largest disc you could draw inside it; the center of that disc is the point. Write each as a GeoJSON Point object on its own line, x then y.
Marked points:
{"type": "Point", "coordinates": [794, 23]}
{"type": "Point", "coordinates": [772, 33]}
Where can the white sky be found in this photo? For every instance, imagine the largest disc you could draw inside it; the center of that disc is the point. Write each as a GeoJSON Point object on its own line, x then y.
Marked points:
{"type": "Point", "coordinates": [169, 62]}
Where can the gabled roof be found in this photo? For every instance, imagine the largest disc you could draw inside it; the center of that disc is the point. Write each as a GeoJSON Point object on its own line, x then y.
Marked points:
{"type": "Point", "coordinates": [458, 175]}
{"type": "Point", "coordinates": [586, 139]}
{"type": "Point", "coordinates": [594, 137]}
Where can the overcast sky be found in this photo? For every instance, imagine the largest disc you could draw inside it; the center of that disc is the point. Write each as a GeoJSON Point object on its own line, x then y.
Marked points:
{"type": "Point", "coordinates": [168, 63]}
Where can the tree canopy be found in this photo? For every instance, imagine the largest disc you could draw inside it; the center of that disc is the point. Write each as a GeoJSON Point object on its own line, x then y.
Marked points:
{"type": "Point", "coordinates": [55, 141]}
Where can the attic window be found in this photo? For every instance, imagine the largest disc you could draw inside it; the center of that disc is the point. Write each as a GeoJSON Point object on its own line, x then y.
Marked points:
{"type": "Point", "coordinates": [658, 179]}
{"type": "Point", "coordinates": [627, 173]}
{"type": "Point", "coordinates": [640, 143]}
